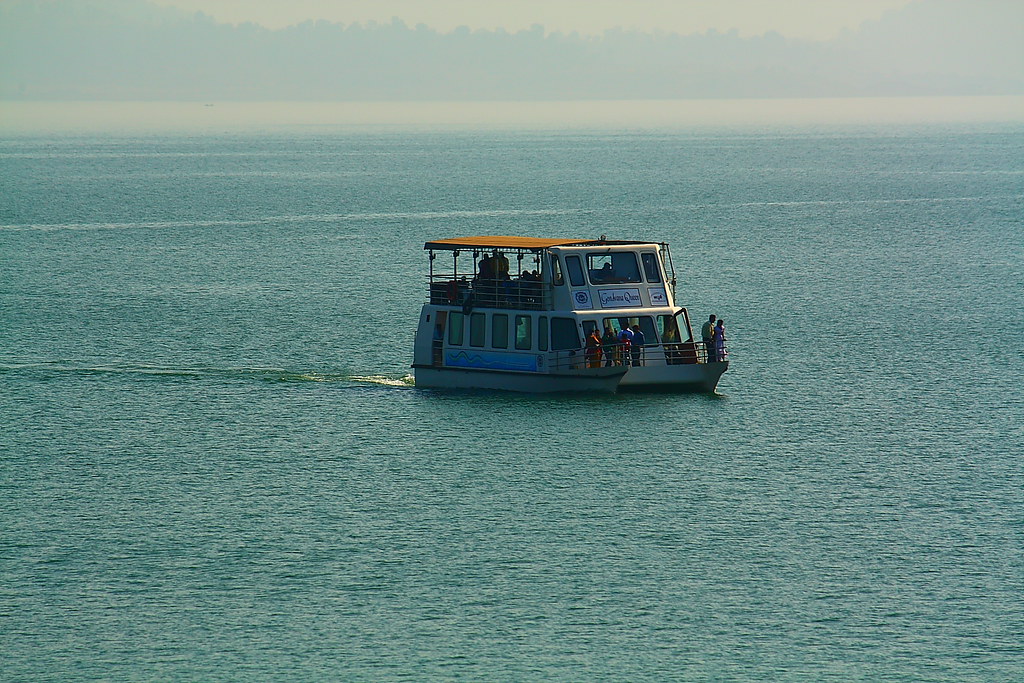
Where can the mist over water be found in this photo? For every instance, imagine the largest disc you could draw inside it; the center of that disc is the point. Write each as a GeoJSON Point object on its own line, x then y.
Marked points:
{"type": "Point", "coordinates": [43, 118]}
{"type": "Point", "coordinates": [215, 464]}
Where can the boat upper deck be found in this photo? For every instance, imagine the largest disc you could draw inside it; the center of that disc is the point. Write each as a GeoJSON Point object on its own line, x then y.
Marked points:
{"type": "Point", "coordinates": [499, 271]}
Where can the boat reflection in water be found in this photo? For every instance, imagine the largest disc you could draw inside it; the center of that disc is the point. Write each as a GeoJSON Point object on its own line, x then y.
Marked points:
{"type": "Point", "coordinates": [520, 313]}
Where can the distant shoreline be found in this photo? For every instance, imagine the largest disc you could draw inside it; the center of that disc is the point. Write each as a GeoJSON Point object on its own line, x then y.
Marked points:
{"type": "Point", "coordinates": [28, 117]}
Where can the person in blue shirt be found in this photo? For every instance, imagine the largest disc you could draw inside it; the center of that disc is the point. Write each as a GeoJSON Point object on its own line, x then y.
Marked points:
{"type": "Point", "coordinates": [625, 339]}
{"type": "Point", "coordinates": [636, 346]}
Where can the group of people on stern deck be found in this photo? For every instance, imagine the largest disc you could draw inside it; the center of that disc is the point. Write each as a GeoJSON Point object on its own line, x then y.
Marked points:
{"type": "Point", "coordinates": [624, 348]}
{"type": "Point", "coordinates": [713, 335]}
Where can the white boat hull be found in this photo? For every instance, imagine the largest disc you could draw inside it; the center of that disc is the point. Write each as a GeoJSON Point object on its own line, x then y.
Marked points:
{"type": "Point", "coordinates": [485, 327]}
{"type": "Point", "coordinates": [699, 377]}
{"type": "Point", "coordinates": [586, 380]}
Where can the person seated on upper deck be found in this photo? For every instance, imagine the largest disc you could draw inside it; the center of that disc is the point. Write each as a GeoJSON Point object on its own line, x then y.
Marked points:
{"type": "Point", "coordinates": [603, 275]}
{"type": "Point", "coordinates": [523, 286]}
{"type": "Point", "coordinates": [530, 285]}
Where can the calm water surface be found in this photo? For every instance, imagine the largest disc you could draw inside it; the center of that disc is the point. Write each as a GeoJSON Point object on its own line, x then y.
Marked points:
{"type": "Point", "coordinates": [214, 464]}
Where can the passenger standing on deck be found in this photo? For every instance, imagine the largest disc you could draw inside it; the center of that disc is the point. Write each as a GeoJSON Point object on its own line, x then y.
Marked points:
{"type": "Point", "coordinates": [636, 346]}
{"type": "Point", "coordinates": [707, 333]}
{"type": "Point", "coordinates": [720, 341]}
{"type": "Point", "coordinates": [608, 345]}
{"type": "Point", "coordinates": [593, 349]}
{"type": "Point", "coordinates": [500, 266]}
{"type": "Point", "coordinates": [486, 268]}
{"type": "Point", "coordinates": [670, 341]}
{"type": "Point", "coordinates": [484, 286]}
{"type": "Point", "coordinates": [625, 339]}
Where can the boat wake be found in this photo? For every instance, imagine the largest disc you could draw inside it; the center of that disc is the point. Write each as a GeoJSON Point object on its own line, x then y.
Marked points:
{"type": "Point", "coordinates": [51, 369]}
{"type": "Point", "coordinates": [383, 380]}
{"type": "Point", "coordinates": [299, 218]}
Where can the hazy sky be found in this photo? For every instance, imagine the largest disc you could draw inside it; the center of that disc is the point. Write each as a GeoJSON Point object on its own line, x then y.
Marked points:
{"type": "Point", "coordinates": [814, 19]}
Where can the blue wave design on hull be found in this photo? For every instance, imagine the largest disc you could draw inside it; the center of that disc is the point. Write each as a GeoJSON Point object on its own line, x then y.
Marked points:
{"type": "Point", "coordinates": [491, 361]}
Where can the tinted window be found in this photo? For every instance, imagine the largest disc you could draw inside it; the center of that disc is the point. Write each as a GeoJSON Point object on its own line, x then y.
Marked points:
{"type": "Point", "coordinates": [613, 268]}
{"type": "Point", "coordinates": [647, 327]}
{"type": "Point", "coordinates": [668, 331]}
{"type": "Point", "coordinates": [524, 331]}
{"type": "Point", "coordinates": [499, 331]}
{"type": "Point", "coordinates": [651, 268]}
{"type": "Point", "coordinates": [455, 321]}
{"type": "Point", "coordinates": [617, 324]}
{"type": "Point", "coordinates": [574, 267]}
{"type": "Point", "coordinates": [564, 334]}
{"type": "Point", "coordinates": [556, 272]}
{"type": "Point", "coordinates": [477, 329]}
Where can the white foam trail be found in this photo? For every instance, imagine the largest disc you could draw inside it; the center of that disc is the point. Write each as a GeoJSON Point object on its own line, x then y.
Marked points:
{"type": "Point", "coordinates": [406, 381]}
{"type": "Point", "coordinates": [310, 218]}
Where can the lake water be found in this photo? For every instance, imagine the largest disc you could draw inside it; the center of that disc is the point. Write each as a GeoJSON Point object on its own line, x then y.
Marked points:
{"type": "Point", "coordinates": [214, 464]}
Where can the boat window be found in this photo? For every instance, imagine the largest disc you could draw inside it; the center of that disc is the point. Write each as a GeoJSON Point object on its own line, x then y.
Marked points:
{"type": "Point", "coordinates": [647, 327]}
{"type": "Point", "coordinates": [455, 321]}
{"type": "Point", "coordinates": [542, 333]}
{"type": "Point", "coordinates": [564, 334]}
{"type": "Point", "coordinates": [685, 320]}
{"type": "Point", "coordinates": [477, 329]}
{"type": "Point", "coordinates": [499, 331]}
{"type": "Point", "coordinates": [668, 331]}
{"type": "Point", "coordinates": [645, 322]}
{"type": "Point", "coordinates": [613, 268]}
{"type": "Point", "coordinates": [651, 268]}
{"type": "Point", "coordinates": [617, 324]}
{"type": "Point", "coordinates": [523, 332]}
{"type": "Point", "coordinates": [556, 272]}
{"type": "Point", "coordinates": [589, 326]}
{"type": "Point", "coordinates": [574, 267]}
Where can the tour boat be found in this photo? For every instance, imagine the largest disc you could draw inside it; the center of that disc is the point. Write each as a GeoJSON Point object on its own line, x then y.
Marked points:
{"type": "Point", "coordinates": [517, 314]}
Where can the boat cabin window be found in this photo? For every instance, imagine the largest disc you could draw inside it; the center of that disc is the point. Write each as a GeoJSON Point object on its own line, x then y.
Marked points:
{"type": "Point", "coordinates": [589, 326]}
{"type": "Point", "coordinates": [477, 329]}
{"type": "Point", "coordinates": [613, 268]}
{"type": "Point", "coordinates": [574, 267]}
{"type": "Point", "coordinates": [499, 331]}
{"type": "Point", "coordinates": [647, 327]}
{"type": "Point", "coordinates": [683, 321]}
{"type": "Point", "coordinates": [556, 272]}
{"type": "Point", "coordinates": [542, 333]}
{"type": "Point", "coordinates": [564, 334]}
{"type": "Point", "coordinates": [650, 268]}
{"type": "Point", "coordinates": [668, 330]}
{"type": "Point", "coordinates": [645, 322]}
{"type": "Point", "coordinates": [455, 321]}
{"type": "Point", "coordinates": [524, 332]}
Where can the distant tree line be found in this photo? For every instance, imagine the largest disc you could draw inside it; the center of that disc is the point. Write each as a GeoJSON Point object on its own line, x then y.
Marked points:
{"type": "Point", "coordinates": [66, 49]}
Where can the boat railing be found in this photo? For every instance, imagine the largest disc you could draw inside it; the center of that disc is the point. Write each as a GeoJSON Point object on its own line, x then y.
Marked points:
{"type": "Point", "coordinates": [477, 293]}
{"type": "Point", "coordinates": [566, 360]}
{"type": "Point", "coordinates": [685, 353]}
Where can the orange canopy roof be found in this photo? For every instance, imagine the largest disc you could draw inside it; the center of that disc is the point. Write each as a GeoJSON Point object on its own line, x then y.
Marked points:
{"type": "Point", "coordinates": [502, 242]}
